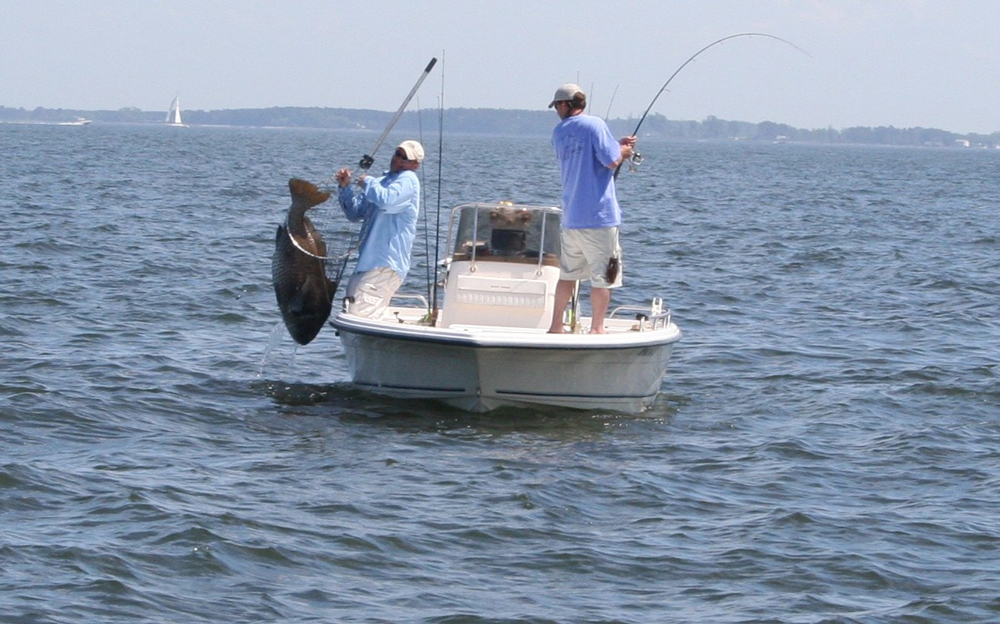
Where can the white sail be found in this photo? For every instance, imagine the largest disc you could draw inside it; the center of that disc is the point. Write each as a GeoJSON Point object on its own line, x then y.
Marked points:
{"type": "Point", "coordinates": [174, 114]}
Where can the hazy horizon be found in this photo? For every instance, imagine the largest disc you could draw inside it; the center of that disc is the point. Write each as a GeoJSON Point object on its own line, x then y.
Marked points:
{"type": "Point", "coordinates": [902, 63]}
{"type": "Point", "coordinates": [390, 112]}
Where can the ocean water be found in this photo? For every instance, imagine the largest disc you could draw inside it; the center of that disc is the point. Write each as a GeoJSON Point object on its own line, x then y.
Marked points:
{"type": "Point", "coordinates": [825, 448]}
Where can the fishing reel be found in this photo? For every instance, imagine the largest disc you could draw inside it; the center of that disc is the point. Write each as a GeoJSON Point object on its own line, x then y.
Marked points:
{"type": "Point", "coordinates": [634, 161]}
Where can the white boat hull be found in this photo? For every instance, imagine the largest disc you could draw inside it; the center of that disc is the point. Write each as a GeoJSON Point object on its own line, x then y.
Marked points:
{"type": "Point", "coordinates": [489, 344]}
{"type": "Point", "coordinates": [483, 370]}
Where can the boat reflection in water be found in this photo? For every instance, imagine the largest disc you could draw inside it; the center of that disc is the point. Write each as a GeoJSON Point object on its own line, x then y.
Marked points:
{"type": "Point", "coordinates": [488, 346]}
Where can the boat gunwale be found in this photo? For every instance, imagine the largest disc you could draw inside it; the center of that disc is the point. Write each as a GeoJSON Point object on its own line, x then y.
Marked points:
{"type": "Point", "coordinates": [506, 338]}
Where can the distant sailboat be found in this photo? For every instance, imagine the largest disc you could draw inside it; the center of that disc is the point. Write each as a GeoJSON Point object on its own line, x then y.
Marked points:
{"type": "Point", "coordinates": [174, 114]}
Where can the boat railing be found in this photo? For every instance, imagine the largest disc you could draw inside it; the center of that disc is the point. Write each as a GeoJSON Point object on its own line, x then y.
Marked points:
{"type": "Point", "coordinates": [652, 315]}
{"type": "Point", "coordinates": [528, 258]}
{"type": "Point", "coordinates": [422, 299]}
{"type": "Point", "coordinates": [424, 306]}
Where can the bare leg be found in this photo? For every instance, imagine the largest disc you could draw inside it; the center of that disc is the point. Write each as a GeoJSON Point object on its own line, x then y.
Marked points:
{"type": "Point", "coordinates": [600, 298]}
{"type": "Point", "coordinates": [564, 290]}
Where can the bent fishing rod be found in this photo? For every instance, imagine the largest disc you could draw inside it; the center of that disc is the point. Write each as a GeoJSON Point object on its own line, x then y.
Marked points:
{"type": "Point", "coordinates": [635, 132]}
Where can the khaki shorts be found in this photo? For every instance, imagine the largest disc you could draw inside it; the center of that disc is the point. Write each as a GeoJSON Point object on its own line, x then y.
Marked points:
{"type": "Point", "coordinates": [588, 254]}
{"type": "Point", "coordinates": [371, 291]}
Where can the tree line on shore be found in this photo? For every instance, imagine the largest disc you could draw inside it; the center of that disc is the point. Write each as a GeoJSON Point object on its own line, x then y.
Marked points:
{"type": "Point", "coordinates": [514, 122]}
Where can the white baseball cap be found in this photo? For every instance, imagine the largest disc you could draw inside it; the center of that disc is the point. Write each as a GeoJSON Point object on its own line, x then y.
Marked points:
{"type": "Point", "coordinates": [414, 151]}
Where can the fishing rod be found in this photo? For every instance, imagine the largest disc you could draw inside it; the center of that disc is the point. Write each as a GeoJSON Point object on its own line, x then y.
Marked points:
{"type": "Point", "coordinates": [638, 157]}
{"type": "Point", "coordinates": [437, 218]}
{"type": "Point", "coordinates": [608, 113]}
{"type": "Point", "coordinates": [368, 159]}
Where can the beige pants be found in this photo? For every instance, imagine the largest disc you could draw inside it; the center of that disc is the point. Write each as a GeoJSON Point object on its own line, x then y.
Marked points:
{"type": "Point", "coordinates": [371, 291]}
{"type": "Point", "coordinates": [586, 254]}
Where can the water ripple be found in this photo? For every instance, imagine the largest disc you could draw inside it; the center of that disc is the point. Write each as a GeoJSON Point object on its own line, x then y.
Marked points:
{"type": "Point", "coordinates": [824, 448]}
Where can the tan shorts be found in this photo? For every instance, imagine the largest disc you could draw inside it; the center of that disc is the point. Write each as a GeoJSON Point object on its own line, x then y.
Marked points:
{"type": "Point", "coordinates": [589, 254]}
{"type": "Point", "coordinates": [371, 291]}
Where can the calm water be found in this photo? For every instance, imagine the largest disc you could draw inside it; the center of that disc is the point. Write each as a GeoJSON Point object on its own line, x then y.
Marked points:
{"type": "Point", "coordinates": [826, 447]}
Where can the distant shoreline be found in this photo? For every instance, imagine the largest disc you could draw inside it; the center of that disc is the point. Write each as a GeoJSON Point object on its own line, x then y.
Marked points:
{"type": "Point", "coordinates": [511, 122]}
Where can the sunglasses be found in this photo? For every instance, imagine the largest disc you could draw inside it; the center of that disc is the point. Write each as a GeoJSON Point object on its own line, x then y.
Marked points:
{"type": "Point", "coordinates": [400, 154]}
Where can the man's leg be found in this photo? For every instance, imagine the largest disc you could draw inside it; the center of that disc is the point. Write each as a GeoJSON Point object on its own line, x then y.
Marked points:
{"type": "Point", "coordinates": [600, 298]}
{"type": "Point", "coordinates": [371, 291]}
{"type": "Point", "coordinates": [564, 290]}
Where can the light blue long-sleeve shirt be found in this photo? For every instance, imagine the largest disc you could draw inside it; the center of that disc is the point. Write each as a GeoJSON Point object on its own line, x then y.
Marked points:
{"type": "Point", "coordinates": [389, 206]}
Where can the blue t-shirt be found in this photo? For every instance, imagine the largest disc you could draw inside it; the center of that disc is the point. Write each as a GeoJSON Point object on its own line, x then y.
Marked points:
{"type": "Point", "coordinates": [389, 207]}
{"type": "Point", "coordinates": [585, 147]}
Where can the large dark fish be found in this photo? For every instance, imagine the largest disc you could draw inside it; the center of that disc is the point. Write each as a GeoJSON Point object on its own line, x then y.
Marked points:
{"type": "Point", "coordinates": [304, 292]}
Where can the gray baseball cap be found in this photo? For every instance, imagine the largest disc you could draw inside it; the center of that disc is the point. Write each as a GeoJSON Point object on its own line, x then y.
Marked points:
{"type": "Point", "coordinates": [565, 93]}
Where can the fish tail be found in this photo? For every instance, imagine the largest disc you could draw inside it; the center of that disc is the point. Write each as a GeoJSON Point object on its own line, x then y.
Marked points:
{"type": "Point", "coordinates": [307, 191]}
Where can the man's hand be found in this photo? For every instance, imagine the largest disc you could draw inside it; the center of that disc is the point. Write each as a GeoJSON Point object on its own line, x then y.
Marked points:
{"type": "Point", "coordinates": [343, 177]}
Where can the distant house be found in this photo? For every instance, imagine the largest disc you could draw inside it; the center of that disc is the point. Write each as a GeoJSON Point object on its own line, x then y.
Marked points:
{"type": "Point", "coordinates": [961, 143]}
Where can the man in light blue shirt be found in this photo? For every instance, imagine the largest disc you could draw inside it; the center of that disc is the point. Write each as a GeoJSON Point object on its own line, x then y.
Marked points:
{"type": "Point", "coordinates": [588, 156]}
{"type": "Point", "coordinates": [388, 206]}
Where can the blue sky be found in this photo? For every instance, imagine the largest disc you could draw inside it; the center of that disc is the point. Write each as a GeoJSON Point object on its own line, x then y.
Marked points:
{"type": "Point", "coordinates": [929, 63]}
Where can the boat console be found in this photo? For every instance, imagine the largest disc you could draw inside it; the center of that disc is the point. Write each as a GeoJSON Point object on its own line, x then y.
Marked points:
{"type": "Point", "coordinates": [503, 267]}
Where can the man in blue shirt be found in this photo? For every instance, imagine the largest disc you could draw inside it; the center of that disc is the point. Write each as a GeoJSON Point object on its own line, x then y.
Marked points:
{"type": "Point", "coordinates": [588, 155]}
{"type": "Point", "coordinates": [388, 205]}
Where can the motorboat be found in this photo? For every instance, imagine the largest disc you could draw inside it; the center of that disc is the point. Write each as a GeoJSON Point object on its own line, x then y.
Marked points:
{"type": "Point", "coordinates": [487, 345]}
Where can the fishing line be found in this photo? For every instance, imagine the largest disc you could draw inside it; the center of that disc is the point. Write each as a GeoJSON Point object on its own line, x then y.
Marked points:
{"type": "Point", "coordinates": [685, 64]}
{"type": "Point", "coordinates": [423, 203]}
{"type": "Point", "coordinates": [295, 243]}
